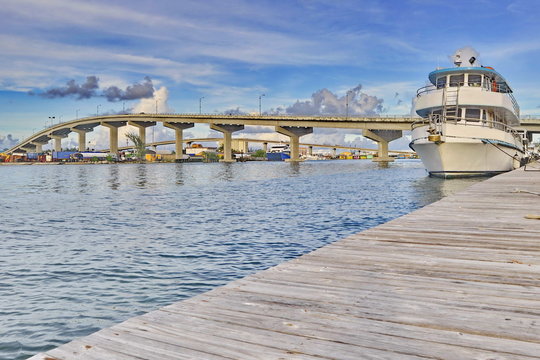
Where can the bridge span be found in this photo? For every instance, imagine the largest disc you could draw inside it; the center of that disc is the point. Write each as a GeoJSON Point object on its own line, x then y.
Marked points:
{"type": "Point", "coordinates": [379, 128]}
{"type": "Point", "coordinates": [241, 144]}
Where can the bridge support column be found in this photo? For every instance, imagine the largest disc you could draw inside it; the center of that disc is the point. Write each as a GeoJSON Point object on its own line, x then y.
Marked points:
{"type": "Point", "coordinates": [82, 139]}
{"type": "Point", "coordinates": [57, 142]}
{"type": "Point", "coordinates": [179, 136]}
{"type": "Point", "coordinates": [265, 147]}
{"type": "Point", "coordinates": [382, 137]}
{"type": "Point", "coordinates": [227, 131]}
{"type": "Point", "coordinates": [113, 134]}
{"type": "Point", "coordinates": [29, 148]}
{"type": "Point", "coordinates": [82, 130]}
{"type": "Point", "coordinates": [334, 152]}
{"type": "Point", "coordinates": [310, 150]}
{"type": "Point", "coordinates": [294, 134]}
{"type": "Point", "coordinates": [142, 125]}
{"type": "Point", "coordinates": [39, 146]}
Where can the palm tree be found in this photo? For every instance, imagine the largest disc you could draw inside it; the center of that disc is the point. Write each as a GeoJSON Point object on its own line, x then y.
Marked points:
{"type": "Point", "coordinates": [138, 144]}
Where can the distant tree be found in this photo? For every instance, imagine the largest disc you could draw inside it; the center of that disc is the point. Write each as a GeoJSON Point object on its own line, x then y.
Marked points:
{"type": "Point", "coordinates": [138, 144]}
{"type": "Point", "coordinates": [259, 153]}
{"type": "Point", "coordinates": [210, 156]}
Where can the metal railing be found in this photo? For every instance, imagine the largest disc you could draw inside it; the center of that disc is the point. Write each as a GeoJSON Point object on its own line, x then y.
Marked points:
{"type": "Point", "coordinates": [437, 120]}
{"type": "Point", "coordinates": [502, 88]}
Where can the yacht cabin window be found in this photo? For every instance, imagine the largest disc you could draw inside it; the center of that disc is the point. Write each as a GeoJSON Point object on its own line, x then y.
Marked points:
{"type": "Point", "coordinates": [441, 82]}
{"type": "Point", "coordinates": [474, 80]}
{"type": "Point", "coordinates": [457, 80]}
{"type": "Point", "coordinates": [472, 114]}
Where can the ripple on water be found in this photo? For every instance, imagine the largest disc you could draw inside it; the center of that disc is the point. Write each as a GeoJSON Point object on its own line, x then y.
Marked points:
{"type": "Point", "coordinates": [85, 247]}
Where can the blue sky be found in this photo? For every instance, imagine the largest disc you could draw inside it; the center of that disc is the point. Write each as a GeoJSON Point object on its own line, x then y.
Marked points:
{"type": "Point", "coordinates": [232, 52]}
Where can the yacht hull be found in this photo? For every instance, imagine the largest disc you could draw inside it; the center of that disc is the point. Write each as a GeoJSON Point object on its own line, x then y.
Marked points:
{"type": "Point", "coordinates": [463, 156]}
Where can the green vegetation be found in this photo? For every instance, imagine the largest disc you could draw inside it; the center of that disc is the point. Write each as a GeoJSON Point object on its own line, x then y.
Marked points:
{"type": "Point", "coordinates": [138, 144]}
{"type": "Point", "coordinates": [259, 153]}
{"type": "Point", "coordinates": [210, 156]}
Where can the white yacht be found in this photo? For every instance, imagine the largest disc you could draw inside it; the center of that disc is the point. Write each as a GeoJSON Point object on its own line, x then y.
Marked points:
{"type": "Point", "coordinates": [468, 112]}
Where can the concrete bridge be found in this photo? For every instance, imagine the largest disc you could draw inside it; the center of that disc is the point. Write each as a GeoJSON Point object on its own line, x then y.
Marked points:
{"type": "Point", "coordinates": [379, 129]}
{"type": "Point", "coordinates": [242, 145]}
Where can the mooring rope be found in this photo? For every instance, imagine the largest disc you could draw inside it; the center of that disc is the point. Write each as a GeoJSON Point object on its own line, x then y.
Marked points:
{"type": "Point", "coordinates": [526, 192]}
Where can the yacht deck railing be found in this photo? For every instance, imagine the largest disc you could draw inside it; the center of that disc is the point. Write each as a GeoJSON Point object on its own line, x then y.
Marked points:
{"type": "Point", "coordinates": [502, 88]}
{"type": "Point", "coordinates": [438, 120]}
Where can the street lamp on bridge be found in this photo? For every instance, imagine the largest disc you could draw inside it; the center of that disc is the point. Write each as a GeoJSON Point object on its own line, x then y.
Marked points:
{"type": "Point", "coordinates": [347, 105]}
{"type": "Point", "coordinates": [200, 105]}
{"type": "Point", "coordinates": [260, 97]}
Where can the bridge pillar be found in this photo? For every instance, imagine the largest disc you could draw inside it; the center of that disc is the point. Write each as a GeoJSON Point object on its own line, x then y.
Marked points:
{"type": "Point", "coordinates": [310, 150]}
{"type": "Point", "coordinates": [334, 152]}
{"type": "Point", "coordinates": [294, 134]}
{"type": "Point", "coordinates": [82, 139]}
{"type": "Point", "coordinates": [142, 125]}
{"type": "Point", "coordinates": [82, 130]}
{"type": "Point", "coordinates": [382, 137]}
{"type": "Point", "coordinates": [57, 142]}
{"type": "Point", "coordinates": [113, 134]}
{"type": "Point", "coordinates": [265, 146]}
{"type": "Point", "coordinates": [227, 131]}
{"type": "Point", "coordinates": [29, 148]}
{"type": "Point", "coordinates": [179, 136]}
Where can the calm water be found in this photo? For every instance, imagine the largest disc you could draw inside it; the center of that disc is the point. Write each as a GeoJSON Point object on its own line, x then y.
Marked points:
{"type": "Point", "coordinates": [84, 247]}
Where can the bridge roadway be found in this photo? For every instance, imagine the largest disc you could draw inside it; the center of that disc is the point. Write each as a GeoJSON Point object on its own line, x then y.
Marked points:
{"type": "Point", "coordinates": [457, 279]}
{"type": "Point", "coordinates": [380, 129]}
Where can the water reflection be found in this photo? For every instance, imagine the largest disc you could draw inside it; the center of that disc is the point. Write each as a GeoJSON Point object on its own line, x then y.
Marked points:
{"type": "Point", "coordinates": [430, 189]}
{"type": "Point", "coordinates": [114, 179]}
{"type": "Point", "coordinates": [226, 171]}
{"type": "Point", "coordinates": [179, 174]}
{"type": "Point", "coordinates": [141, 175]}
{"type": "Point", "coordinates": [82, 178]}
{"type": "Point", "coordinates": [294, 168]}
{"type": "Point", "coordinates": [57, 181]}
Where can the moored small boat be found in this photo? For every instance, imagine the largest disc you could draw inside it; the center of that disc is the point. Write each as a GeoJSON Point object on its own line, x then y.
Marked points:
{"type": "Point", "coordinates": [278, 153]}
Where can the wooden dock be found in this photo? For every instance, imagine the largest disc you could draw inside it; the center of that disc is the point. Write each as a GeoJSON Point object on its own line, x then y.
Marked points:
{"type": "Point", "coordinates": [458, 279]}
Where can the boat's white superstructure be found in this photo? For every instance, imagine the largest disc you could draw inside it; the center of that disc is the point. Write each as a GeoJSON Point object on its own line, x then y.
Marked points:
{"type": "Point", "coordinates": [467, 117]}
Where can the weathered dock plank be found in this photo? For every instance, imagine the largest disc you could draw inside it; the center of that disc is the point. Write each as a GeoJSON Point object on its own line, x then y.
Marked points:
{"type": "Point", "coordinates": [458, 279]}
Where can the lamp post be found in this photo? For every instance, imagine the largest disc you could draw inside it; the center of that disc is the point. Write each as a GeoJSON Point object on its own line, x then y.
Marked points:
{"type": "Point", "coordinates": [77, 114]}
{"type": "Point", "coordinates": [97, 110]}
{"type": "Point", "coordinates": [260, 97]}
{"type": "Point", "coordinates": [200, 105]}
{"type": "Point", "coordinates": [347, 106]}
{"type": "Point", "coordinates": [51, 119]}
